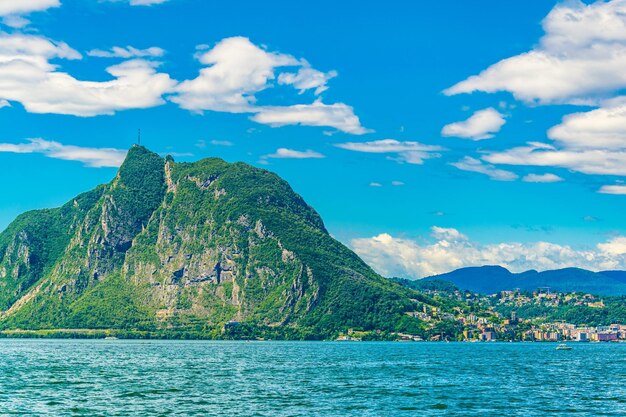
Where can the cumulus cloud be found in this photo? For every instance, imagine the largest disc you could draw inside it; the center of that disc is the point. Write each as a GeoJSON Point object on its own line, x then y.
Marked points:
{"type": "Point", "coordinates": [409, 152]}
{"type": "Point", "coordinates": [586, 161]}
{"type": "Point", "coordinates": [91, 157]}
{"type": "Point", "coordinates": [449, 249]}
{"type": "Point", "coordinates": [591, 142]}
{"type": "Point", "coordinates": [284, 153]}
{"type": "Point", "coordinates": [600, 128]}
{"type": "Point", "coordinates": [613, 189]}
{"type": "Point", "coordinates": [339, 116]}
{"type": "Point", "coordinates": [579, 60]}
{"type": "Point", "coordinates": [127, 52]}
{"type": "Point", "coordinates": [307, 78]}
{"type": "Point", "coordinates": [616, 246]}
{"type": "Point", "coordinates": [235, 70]}
{"type": "Point", "coordinates": [28, 77]}
{"type": "Point", "coordinates": [15, 21]}
{"type": "Point", "coordinates": [483, 124]}
{"type": "Point", "coordinates": [19, 7]}
{"type": "Point", "coordinates": [542, 178]}
{"type": "Point", "coordinates": [475, 165]}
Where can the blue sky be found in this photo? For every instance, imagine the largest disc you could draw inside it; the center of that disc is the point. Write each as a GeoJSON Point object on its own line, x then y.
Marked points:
{"type": "Point", "coordinates": [407, 126]}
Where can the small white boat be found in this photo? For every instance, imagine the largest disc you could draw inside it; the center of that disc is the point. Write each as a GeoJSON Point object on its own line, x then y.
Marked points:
{"type": "Point", "coordinates": [563, 347]}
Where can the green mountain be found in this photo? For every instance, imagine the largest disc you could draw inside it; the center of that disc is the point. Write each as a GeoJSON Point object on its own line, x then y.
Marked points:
{"type": "Point", "coordinates": [173, 249]}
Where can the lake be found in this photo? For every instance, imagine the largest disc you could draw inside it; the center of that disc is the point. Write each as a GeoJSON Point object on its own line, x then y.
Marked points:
{"type": "Point", "coordinates": [199, 378]}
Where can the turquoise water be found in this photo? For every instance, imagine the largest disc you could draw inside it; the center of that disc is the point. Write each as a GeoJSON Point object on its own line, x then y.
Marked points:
{"type": "Point", "coordinates": [188, 378]}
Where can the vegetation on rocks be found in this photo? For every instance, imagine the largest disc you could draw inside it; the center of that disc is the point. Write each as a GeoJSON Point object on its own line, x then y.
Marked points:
{"type": "Point", "coordinates": [185, 250]}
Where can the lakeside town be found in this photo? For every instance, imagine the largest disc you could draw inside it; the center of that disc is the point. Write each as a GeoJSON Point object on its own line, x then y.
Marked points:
{"type": "Point", "coordinates": [539, 316]}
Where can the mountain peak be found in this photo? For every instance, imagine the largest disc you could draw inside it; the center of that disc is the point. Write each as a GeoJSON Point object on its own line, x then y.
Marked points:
{"type": "Point", "coordinates": [137, 153]}
{"type": "Point", "coordinates": [188, 247]}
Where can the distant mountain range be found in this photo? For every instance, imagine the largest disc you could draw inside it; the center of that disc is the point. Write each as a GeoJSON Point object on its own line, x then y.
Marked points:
{"type": "Point", "coordinates": [493, 279]}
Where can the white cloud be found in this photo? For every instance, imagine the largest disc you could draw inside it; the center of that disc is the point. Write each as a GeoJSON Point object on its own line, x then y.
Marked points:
{"type": "Point", "coordinates": [616, 246]}
{"type": "Point", "coordinates": [613, 189]}
{"type": "Point", "coordinates": [542, 178]}
{"type": "Point", "coordinates": [600, 128]}
{"type": "Point", "coordinates": [4, 103]}
{"type": "Point", "coordinates": [580, 58]}
{"type": "Point", "coordinates": [91, 157]}
{"type": "Point", "coordinates": [339, 116]}
{"type": "Point", "coordinates": [448, 234]}
{"type": "Point", "coordinates": [475, 165]}
{"type": "Point", "coordinates": [409, 152]}
{"type": "Point", "coordinates": [397, 183]}
{"type": "Point", "coordinates": [388, 146]}
{"type": "Point", "coordinates": [28, 77]}
{"type": "Point", "coordinates": [375, 184]}
{"type": "Point", "coordinates": [483, 124]}
{"type": "Point", "coordinates": [128, 52]}
{"type": "Point", "coordinates": [15, 21]}
{"type": "Point", "coordinates": [236, 70]}
{"type": "Point", "coordinates": [35, 50]}
{"type": "Point", "coordinates": [449, 249]}
{"type": "Point", "coordinates": [413, 158]}
{"type": "Point", "coordinates": [586, 161]}
{"type": "Point", "coordinates": [18, 7]}
{"type": "Point", "coordinates": [284, 153]}
{"type": "Point", "coordinates": [307, 78]}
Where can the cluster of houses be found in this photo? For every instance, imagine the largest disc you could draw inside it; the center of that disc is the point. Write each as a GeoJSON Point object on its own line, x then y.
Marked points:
{"type": "Point", "coordinates": [554, 332]}
{"type": "Point", "coordinates": [486, 324]}
{"type": "Point", "coordinates": [548, 332]}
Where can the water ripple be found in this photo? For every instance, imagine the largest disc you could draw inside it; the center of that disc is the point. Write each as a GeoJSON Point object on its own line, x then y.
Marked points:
{"type": "Point", "coordinates": [188, 378]}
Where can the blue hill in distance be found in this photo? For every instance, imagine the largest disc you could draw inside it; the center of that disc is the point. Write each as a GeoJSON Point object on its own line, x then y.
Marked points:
{"type": "Point", "coordinates": [493, 279]}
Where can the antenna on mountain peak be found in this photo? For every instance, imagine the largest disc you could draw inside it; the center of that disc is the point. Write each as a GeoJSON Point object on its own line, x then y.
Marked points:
{"type": "Point", "coordinates": [139, 137]}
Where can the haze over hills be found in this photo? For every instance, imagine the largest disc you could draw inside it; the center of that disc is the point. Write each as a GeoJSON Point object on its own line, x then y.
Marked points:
{"type": "Point", "coordinates": [188, 247]}
{"type": "Point", "coordinates": [492, 279]}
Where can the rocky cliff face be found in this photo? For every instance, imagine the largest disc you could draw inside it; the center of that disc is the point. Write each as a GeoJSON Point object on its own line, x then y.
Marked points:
{"type": "Point", "coordinates": [187, 247]}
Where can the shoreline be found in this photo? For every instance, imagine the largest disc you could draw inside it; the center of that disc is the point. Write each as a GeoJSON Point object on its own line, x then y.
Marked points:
{"type": "Point", "coordinates": [115, 334]}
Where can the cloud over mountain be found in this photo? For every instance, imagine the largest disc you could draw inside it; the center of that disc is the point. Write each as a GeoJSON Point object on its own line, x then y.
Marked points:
{"type": "Point", "coordinates": [91, 157]}
{"type": "Point", "coordinates": [449, 249]}
{"type": "Point", "coordinates": [27, 76]}
{"type": "Point", "coordinates": [234, 71]}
